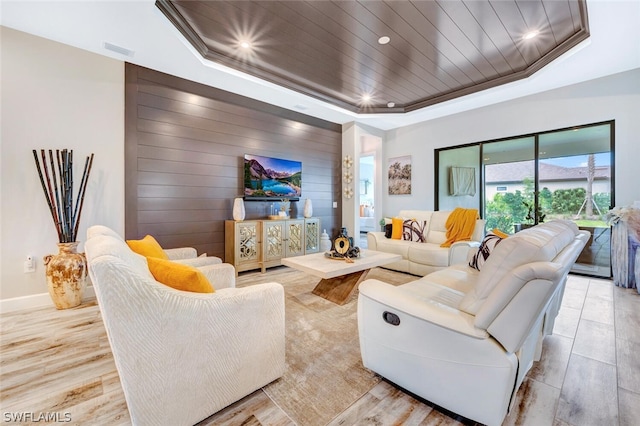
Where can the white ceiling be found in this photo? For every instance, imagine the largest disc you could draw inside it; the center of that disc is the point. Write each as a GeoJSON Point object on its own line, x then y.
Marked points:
{"type": "Point", "coordinates": [137, 25]}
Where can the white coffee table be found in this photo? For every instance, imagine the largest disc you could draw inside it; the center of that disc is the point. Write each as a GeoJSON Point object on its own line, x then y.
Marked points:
{"type": "Point", "coordinates": [338, 278]}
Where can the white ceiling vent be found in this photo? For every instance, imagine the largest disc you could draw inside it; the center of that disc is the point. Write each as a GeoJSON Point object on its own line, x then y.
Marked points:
{"type": "Point", "coordinates": [119, 49]}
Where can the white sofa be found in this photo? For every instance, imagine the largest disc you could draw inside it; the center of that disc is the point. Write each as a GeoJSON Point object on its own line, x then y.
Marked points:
{"type": "Point", "coordinates": [183, 356]}
{"type": "Point", "coordinates": [424, 258]}
{"type": "Point", "coordinates": [464, 339]}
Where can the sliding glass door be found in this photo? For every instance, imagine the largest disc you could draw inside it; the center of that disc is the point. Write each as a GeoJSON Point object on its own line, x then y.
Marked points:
{"type": "Point", "coordinates": [574, 176]}
{"type": "Point", "coordinates": [563, 174]}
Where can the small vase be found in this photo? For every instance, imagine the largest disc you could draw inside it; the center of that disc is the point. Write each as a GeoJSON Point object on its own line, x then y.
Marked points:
{"type": "Point", "coordinates": [238, 209]}
{"type": "Point", "coordinates": [308, 208]}
{"type": "Point", "coordinates": [66, 275]}
{"type": "Point", "coordinates": [325, 243]}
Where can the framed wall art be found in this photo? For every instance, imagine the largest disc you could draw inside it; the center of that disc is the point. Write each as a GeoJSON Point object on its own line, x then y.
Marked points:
{"type": "Point", "coordinates": [399, 172]}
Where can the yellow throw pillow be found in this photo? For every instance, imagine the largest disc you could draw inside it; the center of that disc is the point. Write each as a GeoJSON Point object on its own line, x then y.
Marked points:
{"type": "Point", "coordinates": [396, 228]}
{"type": "Point", "coordinates": [499, 233]}
{"type": "Point", "coordinates": [179, 276]}
{"type": "Point", "coordinates": [147, 247]}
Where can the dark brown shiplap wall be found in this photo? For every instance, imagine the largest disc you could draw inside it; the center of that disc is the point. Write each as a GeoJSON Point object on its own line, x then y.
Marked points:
{"type": "Point", "coordinates": [184, 149]}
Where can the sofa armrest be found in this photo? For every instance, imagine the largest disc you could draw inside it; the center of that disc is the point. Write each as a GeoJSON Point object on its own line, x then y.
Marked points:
{"type": "Point", "coordinates": [372, 239]}
{"type": "Point", "coordinates": [181, 253]}
{"type": "Point", "coordinates": [199, 262]}
{"type": "Point", "coordinates": [401, 302]}
{"type": "Point", "coordinates": [221, 275]}
{"type": "Point", "coordinates": [459, 251]}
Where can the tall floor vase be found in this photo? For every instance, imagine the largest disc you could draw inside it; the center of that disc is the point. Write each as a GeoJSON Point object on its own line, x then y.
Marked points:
{"type": "Point", "coordinates": [66, 275]}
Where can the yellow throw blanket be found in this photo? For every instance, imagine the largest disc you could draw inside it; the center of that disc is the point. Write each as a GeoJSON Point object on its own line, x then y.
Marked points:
{"type": "Point", "coordinates": [460, 225]}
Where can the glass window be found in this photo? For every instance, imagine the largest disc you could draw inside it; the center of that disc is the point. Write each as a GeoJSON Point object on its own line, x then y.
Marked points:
{"type": "Point", "coordinates": [526, 180]}
{"type": "Point", "coordinates": [575, 184]}
{"type": "Point", "coordinates": [511, 165]}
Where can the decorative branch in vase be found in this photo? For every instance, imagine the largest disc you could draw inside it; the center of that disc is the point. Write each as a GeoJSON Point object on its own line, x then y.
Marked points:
{"type": "Point", "coordinates": [66, 271]}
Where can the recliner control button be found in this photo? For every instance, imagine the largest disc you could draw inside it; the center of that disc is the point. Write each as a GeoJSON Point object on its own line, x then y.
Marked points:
{"type": "Point", "coordinates": [391, 318]}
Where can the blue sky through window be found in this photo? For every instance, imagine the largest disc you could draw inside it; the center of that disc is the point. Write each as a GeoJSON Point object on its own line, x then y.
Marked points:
{"type": "Point", "coordinates": [602, 159]}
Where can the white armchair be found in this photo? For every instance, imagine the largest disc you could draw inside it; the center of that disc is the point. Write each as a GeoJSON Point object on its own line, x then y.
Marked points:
{"type": "Point", "coordinates": [183, 356]}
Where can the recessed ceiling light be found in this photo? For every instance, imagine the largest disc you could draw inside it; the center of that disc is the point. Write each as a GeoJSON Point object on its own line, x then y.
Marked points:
{"type": "Point", "coordinates": [530, 35]}
{"type": "Point", "coordinates": [391, 104]}
{"type": "Point", "coordinates": [245, 45]}
{"type": "Point", "coordinates": [366, 98]}
{"type": "Point", "coordinates": [384, 40]}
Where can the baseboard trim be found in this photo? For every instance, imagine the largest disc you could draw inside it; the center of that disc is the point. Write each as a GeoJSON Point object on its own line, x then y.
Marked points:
{"type": "Point", "coordinates": [35, 301]}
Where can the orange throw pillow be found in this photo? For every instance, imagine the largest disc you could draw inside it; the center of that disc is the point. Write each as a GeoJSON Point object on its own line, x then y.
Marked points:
{"type": "Point", "coordinates": [396, 228]}
{"type": "Point", "coordinates": [179, 276]}
{"type": "Point", "coordinates": [499, 233]}
{"type": "Point", "coordinates": [147, 247]}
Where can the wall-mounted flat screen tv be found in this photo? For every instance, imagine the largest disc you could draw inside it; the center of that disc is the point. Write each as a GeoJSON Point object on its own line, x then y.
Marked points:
{"type": "Point", "coordinates": [267, 178]}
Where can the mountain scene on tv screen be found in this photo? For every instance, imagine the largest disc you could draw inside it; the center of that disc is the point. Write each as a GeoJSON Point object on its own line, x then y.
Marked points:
{"type": "Point", "coordinates": [271, 177]}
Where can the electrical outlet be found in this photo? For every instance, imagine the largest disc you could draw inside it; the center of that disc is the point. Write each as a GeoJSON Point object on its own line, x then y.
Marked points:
{"type": "Point", "coordinates": [335, 204]}
{"type": "Point", "coordinates": [29, 265]}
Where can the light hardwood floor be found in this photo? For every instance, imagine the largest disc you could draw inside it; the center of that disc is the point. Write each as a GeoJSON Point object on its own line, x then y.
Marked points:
{"type": "Point", "coordinates": [589, 374]}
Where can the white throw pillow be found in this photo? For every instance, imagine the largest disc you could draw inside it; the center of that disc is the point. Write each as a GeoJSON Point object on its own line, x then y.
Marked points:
{"type": "Point", "coordinates": [414, 230]}
{"type": "Point", "coordinates": [489, 242]}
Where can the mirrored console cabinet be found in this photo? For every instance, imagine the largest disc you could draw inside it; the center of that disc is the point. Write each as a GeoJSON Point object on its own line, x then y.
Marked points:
{"type": "Point", "coordinates": [261, 244]}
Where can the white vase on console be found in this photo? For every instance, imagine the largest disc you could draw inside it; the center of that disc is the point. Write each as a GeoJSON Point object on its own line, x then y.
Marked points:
{"type": "Point", "coordinates": [238, 209]}
{"type": "Point", "coordinates": [325, 243]}
{"type": "Point", "coordinates": [308, 208]}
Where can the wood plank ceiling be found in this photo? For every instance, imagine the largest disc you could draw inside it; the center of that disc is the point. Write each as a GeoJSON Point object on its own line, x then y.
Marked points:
{"type": "Point", "coordinates": [438, 50]}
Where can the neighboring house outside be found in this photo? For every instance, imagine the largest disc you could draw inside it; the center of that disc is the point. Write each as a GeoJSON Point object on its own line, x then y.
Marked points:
{"type": "Point", "coordinates": [509, 177]}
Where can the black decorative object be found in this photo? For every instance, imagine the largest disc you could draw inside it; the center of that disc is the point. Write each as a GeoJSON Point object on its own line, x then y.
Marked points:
{"type": "Point", "coordinates": [343, 247]}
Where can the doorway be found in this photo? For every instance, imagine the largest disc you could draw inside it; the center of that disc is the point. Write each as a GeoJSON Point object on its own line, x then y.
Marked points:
{"type": "Point", "coordinates": [367, 217]}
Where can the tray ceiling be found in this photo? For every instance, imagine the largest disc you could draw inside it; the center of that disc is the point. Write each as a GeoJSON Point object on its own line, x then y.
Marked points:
{"type": "Point", "coordinates": [437, 50]}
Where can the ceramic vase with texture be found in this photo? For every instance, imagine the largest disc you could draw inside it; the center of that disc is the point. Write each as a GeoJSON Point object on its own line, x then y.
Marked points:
{"type": "Point", "coordinates": [308, 208]}
{"type": "Point", "coordinates": [238, 209]}
{"type": "Point", "coordinates": [66, 275]}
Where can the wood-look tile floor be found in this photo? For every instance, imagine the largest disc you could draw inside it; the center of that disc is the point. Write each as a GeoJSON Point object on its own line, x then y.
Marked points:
{"type": "Point", "coordinates": [60, 362]}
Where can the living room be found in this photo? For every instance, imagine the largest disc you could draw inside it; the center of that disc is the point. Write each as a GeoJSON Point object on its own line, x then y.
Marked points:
{"type": "Point", "coordinates": [58, 96]}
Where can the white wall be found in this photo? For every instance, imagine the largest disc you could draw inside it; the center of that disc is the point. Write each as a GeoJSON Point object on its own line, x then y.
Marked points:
{"type": "Point", "coordinates": [355, 137]}
{"type": "Point", "coordinates": [615, 97]}
{"type": "Point", "coordinates": [55, 97]}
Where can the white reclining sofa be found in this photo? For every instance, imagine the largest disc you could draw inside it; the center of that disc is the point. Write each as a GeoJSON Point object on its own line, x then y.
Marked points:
{"type": "Point", "coordinates": [462, 338]}
{"type": "Point", "coordinates": [182, 356]}
{"type": "Point", "coordinates": [421, 258]}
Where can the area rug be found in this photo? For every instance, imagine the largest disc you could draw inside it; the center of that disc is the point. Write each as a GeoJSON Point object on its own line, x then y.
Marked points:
{"type": "Point", "coordinates": [324, 373]}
